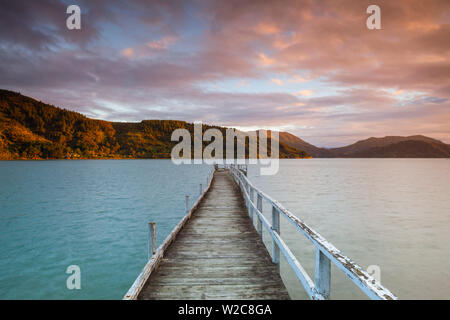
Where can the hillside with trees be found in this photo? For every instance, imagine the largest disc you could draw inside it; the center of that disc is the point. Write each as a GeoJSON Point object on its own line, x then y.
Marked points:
{"type": "Point", "coordinates": [31, 129]}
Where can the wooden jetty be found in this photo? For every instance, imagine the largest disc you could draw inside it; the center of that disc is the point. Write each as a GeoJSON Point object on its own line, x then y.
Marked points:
{"type": "Point", "coordinates": [215, 252]}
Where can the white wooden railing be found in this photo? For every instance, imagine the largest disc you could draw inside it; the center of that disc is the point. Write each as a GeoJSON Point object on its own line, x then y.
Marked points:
{"type": "Point", "coordinates": [326, 253]}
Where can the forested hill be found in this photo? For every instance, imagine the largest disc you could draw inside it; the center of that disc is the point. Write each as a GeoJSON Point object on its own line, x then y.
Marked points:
{"type": "Point", "coordinates": [30, 129]}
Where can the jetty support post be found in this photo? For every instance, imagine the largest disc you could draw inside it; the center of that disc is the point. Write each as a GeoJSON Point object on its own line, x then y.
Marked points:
{"type": "Point", "coordinates": [275, 228]}
{"type": "Point", "coordinates": [151, 239]}
{"type": "Point", "coordinates": [187, 203]}
{"type": "Point", "coordinates": [252, 199]}
{"type": "Point", "coordinates": [201, 189]}
{"type": "Point", "coordinates": [249, 204]}
{"type": "Point", "coordinates": [259, 207]}
{"type": "Point", "coordinates": [322, 274]}
{"type": "Point", "coordinates": [244, 187]}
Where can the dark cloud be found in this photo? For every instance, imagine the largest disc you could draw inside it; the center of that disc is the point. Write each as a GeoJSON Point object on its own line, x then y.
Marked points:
{"type": "Point", "coordinates": [41, 24]}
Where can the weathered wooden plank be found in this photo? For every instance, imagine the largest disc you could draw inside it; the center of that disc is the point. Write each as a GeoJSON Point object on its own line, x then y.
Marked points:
{"type": "Point", "coordinates": [222, 292]}
{"type": "Point", "coordinates": [209, 281]}
{"type": "Point", "coordinates": [205, 269]}
{"type": "Point", "coordinates": [225, 262]}
{"type": "Point", "coordinates": [217, 254]}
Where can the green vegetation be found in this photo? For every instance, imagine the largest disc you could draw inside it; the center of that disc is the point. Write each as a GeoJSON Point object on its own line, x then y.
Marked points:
{"type": "Point", "coordinates": [31, 129]}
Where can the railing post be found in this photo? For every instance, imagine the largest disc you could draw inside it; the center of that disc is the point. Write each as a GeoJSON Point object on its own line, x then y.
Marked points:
{"type": "Point", "coordinates": [275, 228]}
{"type": "Point", "coordinates": [151, 239]}
{"type": "Point", "coordinates": [259, 207]}
{"type": "Point", "coordinates": [322, 275]}
{"type": "Point", "coordinates": [247, 202]}
{"type": "Point", "coordinates": [187, 204]}
{"type": "Point", "coordinates": [252, 198]}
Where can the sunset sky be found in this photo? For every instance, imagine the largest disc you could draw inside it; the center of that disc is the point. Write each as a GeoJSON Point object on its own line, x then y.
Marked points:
{"type": "Point", "coordinates": [308, 67]}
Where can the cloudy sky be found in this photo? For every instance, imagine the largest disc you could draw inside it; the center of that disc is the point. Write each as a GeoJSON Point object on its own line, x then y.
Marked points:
{"type": "Point", "coordinates": [308, 67]}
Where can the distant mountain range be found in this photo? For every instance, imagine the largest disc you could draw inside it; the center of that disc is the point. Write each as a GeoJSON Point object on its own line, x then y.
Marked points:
{"type": "Point", "coordinates": [417, 146]}
{"type": "Point", "coordinates": [296, 142]}
{"type": "Point", "coordinates": [30, 129]}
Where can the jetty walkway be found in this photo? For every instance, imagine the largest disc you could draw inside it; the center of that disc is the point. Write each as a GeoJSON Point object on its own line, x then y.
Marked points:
{"type": "Point", "coordinates": [215, 252]}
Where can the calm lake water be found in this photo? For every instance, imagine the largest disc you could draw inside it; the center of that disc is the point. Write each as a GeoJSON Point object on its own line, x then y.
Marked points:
{"type": "Point", "coordinates": [394, 213]}
{"type": "Point", "coordinates": [91, 213]}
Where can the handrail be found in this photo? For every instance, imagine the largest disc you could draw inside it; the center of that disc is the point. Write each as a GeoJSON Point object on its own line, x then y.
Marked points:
{"type": "Point", "coordinates": [325, 251]}
{"type": "Point", "coordinates": [156, 258]}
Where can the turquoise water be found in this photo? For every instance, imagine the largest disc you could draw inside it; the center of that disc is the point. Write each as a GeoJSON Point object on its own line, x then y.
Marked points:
{"type": "Point", "coordinates": [93, 214]}
{"type": "Point", "coordinates": [392, 213]}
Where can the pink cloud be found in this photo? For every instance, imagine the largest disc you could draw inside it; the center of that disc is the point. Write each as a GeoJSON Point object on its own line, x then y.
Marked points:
{"type": "Point", "coordinates": [163, 43]}
{"type": "Point", "coordinates": [128, 52]}
{"type": "Point", "coordinates": [305, 92]}
{"type": "Point", "coordinates": [277, 81]}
